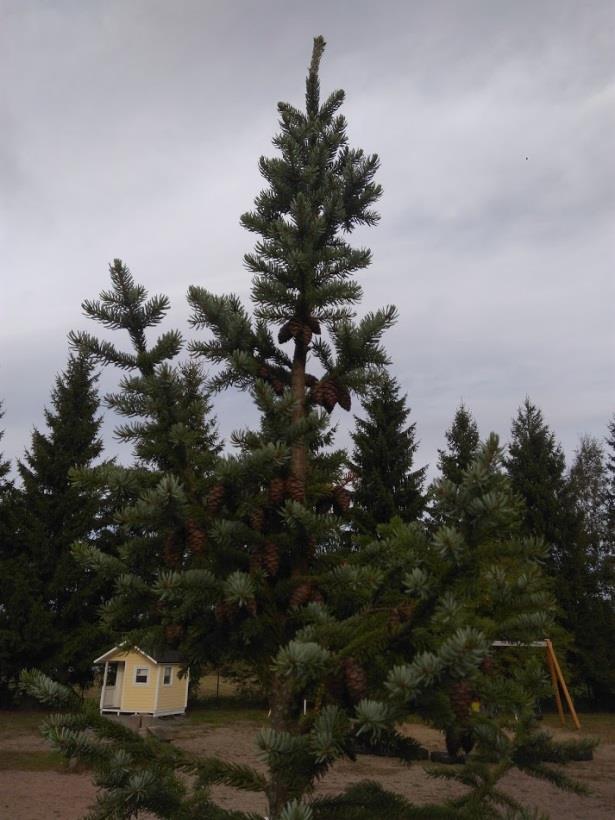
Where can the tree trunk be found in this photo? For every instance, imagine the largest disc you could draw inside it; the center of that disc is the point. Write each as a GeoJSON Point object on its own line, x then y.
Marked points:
{"type": "Point", "coordinates": [298, 466]}
{"type": "Point", "coordinates": [280, 702]}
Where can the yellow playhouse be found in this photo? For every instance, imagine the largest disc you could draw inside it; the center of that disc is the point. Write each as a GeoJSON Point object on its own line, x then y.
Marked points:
{"type": "Point", "coordinates": [143, 683]}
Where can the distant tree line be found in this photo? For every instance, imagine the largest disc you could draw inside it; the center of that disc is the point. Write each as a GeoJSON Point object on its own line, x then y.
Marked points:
{"type": "Point", "coordinates": [50, 605]}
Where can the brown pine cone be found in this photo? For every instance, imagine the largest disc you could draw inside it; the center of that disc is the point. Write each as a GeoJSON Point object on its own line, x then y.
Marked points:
{"type": "Point", "coordinates": [171, 551]}
{"type": "Point", "coordinates": [257, 519]}
{"type": "Point", "coordinates": [343, 396]}
{"type": "Point", "coordinates": [461, 697]}
{"type": "Point", "coordinates": [270, 558]}
{"type": "Point", "coordinates": [316, 394]}
{"type": "Point", "coordinates": [284, 334]}
{"type": "Point", "coordinates": [295, 488]}
{"type": "Point", "coordinates": [196, 538]}
{"type": "Point", "coordinates": [264, 373]}
{"type": "Point", "coordinates": [314, 325]}
{"type": "Point", "coordinates": [276, 490]}
{"type": "Point", "coordinates": [277, 386]}
{"type": "Point", "coordinates": [310, 380]}
{"type": "Point", "coordinates": [355, 678]}
{"type": "Point", "coordinates": [215, 498]}
{"type": "Point", "coordinates": [295, 326]}
{"type": "Point", "coordinates": [301, 595]}
{"type": "Point", "coordinates": [341, 499]}
{"type": "Point", "coordinates": [300, 330]}
{"type": "Point", "coordinates": [329, 395]}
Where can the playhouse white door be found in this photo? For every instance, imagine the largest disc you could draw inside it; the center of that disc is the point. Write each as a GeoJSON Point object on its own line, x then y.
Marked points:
{"type": "Point", "coordinates": [113, 689]}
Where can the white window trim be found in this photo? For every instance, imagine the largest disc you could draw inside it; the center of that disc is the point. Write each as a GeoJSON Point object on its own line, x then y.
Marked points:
{"type": "Point", "coordinates": [138, 682]}
{"type": "Point", "coordinates": [164, 668]}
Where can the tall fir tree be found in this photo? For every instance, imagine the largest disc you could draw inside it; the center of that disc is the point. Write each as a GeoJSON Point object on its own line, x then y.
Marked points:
{"type": "Point", "coordinates": [610, 471]}
{"type": "Point", "coordinates": [536, 466]}
{"type": "Point", "coordinates": [590, 574]}
{"type": "Point", "coordinates": [159, 500]}
{"type": "Point", "coordinates": [5, 466]}
{"type": "Point", "coordinates": [385, 483]}
{"type": "Point", "coordinates": [20, 636]}
{"type": "Point", "coordinates": [463, 441]}
{"type": "Point", "coordinates": [56, 514]}
{"type": "Point", "coordinates": [270, 581]}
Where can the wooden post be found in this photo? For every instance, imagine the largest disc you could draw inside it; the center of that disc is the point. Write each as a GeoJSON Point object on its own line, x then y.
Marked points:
{"type": "Point", "coordinates": [555, 662]}
{"type": "Point", "coordinates": [558, 700]}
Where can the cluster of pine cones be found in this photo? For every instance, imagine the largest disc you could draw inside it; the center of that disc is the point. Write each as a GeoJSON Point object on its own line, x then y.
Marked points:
{"type": "Point", "coordinates": [215, 498]}
{"type": "Point", "coordinates": [328, 392]}
{"type": "Point", "coordinates": [266, 558]}
{"type": "Point", "coordinates": [299, 330]}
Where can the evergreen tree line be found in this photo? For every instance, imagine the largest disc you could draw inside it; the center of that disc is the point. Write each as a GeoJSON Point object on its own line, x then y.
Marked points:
{"type": "Point", "coordinates": [49, 614]}
{"type": "Point", "coordinates": [340, 578]}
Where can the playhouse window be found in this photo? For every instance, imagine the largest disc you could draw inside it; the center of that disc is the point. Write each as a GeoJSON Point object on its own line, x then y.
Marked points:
{"type": "Point", "coordinates": [167, 675]}
{"type": "Point", "coordinates": [141, 674]}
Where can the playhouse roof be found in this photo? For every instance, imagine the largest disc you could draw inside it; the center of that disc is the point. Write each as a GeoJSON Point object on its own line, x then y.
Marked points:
{"type": "Point", "coordinates": [166, 656]}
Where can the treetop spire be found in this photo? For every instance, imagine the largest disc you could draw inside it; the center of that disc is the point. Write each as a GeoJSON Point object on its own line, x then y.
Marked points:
{"type": "Point", "coordinates": [312, 94]}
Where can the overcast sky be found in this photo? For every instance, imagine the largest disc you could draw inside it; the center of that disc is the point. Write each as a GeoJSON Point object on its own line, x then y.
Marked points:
{"type": "Point", "coordinates": [132, 129]}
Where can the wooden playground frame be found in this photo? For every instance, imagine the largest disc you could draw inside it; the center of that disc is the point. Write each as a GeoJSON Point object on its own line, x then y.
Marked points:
{"type": "Point", "coordinates": [557, 678]}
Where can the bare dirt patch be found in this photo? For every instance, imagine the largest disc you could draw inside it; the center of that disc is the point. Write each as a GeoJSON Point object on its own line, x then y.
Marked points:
{"type": "Point", "coordinates": [58, 793]}
{"type": "Point", "coordinates": [44, 795]}
{"type": "Point", "coordinates": [413, 782]}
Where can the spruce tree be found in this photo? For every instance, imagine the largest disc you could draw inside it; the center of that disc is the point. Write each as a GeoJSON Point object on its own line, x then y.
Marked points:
{"type": "Point", "coordinates": [610, 475]}
{"type": "Point", "coordinates": [319, 190]}
{"type": "Point", "coordinates": [463, 441]}
{"type": "Point", "coordinates": [385, 483]}
{"type": "Point", "coordinates": [19, 636]}
{"type": "Point", "coordinates": [536, 466]}
{"type": "Point", "coordinates": [56, 513]}
{"type": "Point", "coordinates": [159, 501]}
{"type": "Point", "coordinates": [5, 466]}
{"type": "Point", "coordinates": [589, 572]}
{"type": "Point", "coordinates": [270, 582]}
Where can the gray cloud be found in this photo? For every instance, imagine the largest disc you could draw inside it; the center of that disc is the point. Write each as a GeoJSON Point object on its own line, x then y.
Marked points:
{"type": "Point", "coordinates": [133, 129]}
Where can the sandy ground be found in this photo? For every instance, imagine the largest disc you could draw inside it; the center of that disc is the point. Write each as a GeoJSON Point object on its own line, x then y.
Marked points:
{"type": "Point", "coordinates": [50, 794]}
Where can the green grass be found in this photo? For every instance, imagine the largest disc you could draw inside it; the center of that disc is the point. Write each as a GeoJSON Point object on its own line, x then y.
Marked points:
{"type": "Point", "coordinates": [597, 724]}
{"type": "Point", "coordinates": [18, 722]}
{"type": "Point", "coordinates": [225, 711]}
{"type": "Point", "coordinates": [32, 761]}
